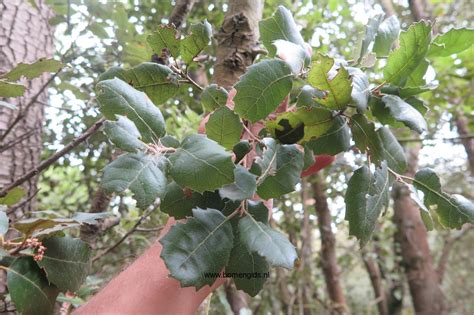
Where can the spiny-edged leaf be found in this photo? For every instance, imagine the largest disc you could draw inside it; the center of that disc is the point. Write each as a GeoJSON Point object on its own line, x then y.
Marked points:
{"type": "Point", "coordinates": [244, 186]}
{"type": "Point", "coordinates": [267, 161]}
{"type": "Point", "coordinates": [301, 125]}
{"type": "Point", "coordinates": [213, 97]}
{"type": "Point", "coordinates": [157, 81]}
{"type": "Point", "coordinates": [426, 216]}
{"type": "Point", "coordinates": [29, 288]}
{"type": "Point", "coordinates": [201, 164]}
{"type": "Point", "coordinates": [243, 261]}
{"type": "Point", "coordinates": [281, 180]}
{"type": "Point", "coordinates": [33, 70]}
{"type": "Point", "coordinates": [66, 261]}
{"type": "Point", "coordinates": [262, 88]}
{"type": "Point", "coordinates": [8, 89]}
{"type": "Point", "coordinates": [138, 172]}
{"type": "Point", "coordinates": [405, 113]}
{"type": "Point", "coordinates": [90, 218]}
{"type": "Point", "coordinates": [199, 246]}
{"type": "Point", "coordinates": [337, 139]}
{"type": "Point", "coordinates": [452, 210]}
{"type": "Point", "coordinates": [116, 97]}
{"type": "Point", "coordinates": [224, 127]}
{"type": "Point", "coordinates": [307, 95]}
{"type": "Point", "coordinates": [338, 88]}
{"type": "Point", "coordinates": [365, 198]}
{"type": "Point", "coordinates": [370, 33]}
{"type": "Point", "coordinates": [360, 88]}
{"type": "Point", "coordinates": [392, 151]}
{"type": "Point", "coordinates": [258, 210]}
{"type": "Point", "coordinates": [453, 41]}
{"type": "Point", "coordinates": [387, 33]}
{"type": "Point", "coordinates": [241, 149]}
{"type": "Point", "coordinates": [13, 196]}
{"type": "Point", "coordinates": [165, 37]}
{"type": "Point", "coordinates": [197, 40]}
{"type": "Point", "coordinates": [416, 78]}
{"type": "Point", "coordinates": [267, 242]}
{"type": "Point", "coordinates": [280, 25]}
{"type": "Point", "coordinates": [179, 202]}
{"type": "Point", "coordinates": [413, 47]}
{"type": "Point", "coordinates": [406, 92]}
{"type": "Point", "coordinates": [294, 55]}
{"type": "Point", "coordinates": [124, 134]}
{"type": "Point", "coordinates": [3, 221]}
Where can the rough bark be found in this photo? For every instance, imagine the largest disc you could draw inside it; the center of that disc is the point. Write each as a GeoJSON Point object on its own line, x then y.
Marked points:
{"type": "Point", "coordinates": [25, 36]}
{"type": "Point", "coordinates": [412, 237]}
{"type": "Point", "coordinates": [419, 9]}
{"type": "Point", "coordinates": [237, 41]}
{"type": "Point", "coordinates": [468, 143]}
{"type": "Point", "coordinates": [329, 263]}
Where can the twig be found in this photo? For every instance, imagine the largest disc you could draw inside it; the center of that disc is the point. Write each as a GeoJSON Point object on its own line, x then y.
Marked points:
{"type": "Point", "coordinates": [21, 113]}
{"type": "Point", "coordinates": [51, 160]}
{"type": "Point", "coordinates": [129, 232]}
{"type": "Point", "coordinates": [452, 139]}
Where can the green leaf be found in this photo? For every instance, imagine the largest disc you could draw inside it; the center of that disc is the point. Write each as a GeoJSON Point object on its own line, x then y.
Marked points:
{"type": "Point", "coordinates": [165, 37]}
{"type": "Point", "coordinates": [28, 226]}
{"type": "Point", "coordinates": [157, 81]}
{"type": "Point", "coordinates": [98, 30]}
{"type": "Point", "coordinates": [244, 186]}
{"type": "Point", "coordinates": [382, 144]}
{"type": "Point", "coordinates": [267, 242]}
{"type": "Point", "coordinates": [392, 151]}
{"type": "Point", "coordinates": [241, 149]}
{"type": "Point", "coordinates": [124, 134]}
{"type": "Point", "coordinates": [366, 196]}
{"type": "Point", "coordinates": [360, 88]}
{"type": "Point", "coordinates": [370, 32]}
{"type": "Point", "coordinates": [243, 261]}
{"type": "Point", "coordinates": [4, 222]}
{"type": "Point", "coordinates": [31, 71]}
{"type": "Point", "coordinates": [308, 157]}
{"type": "Point", "coordinates": [387, 33]}
{"type": "Point", "coordinates": [13, 196]}
{"type": "Point", "coordinates": [200, 245]}
{"type": "Point", "coordinates": [413, 47]}
{"type": "Point", "coordinates": [179, 202]}
{"type": "Point", "coordinates": [337, 139]}
{"type": "Point", "coordinates": [405, 113]}
{"type": "Point", "coordinates": [294, 55]}
{"type": "Point", "coordinates": [424, 211]}
{"type": "Point", "coordinates": [280, 25]}
{"type": "Point", "coordinates": [416, 78]}
{"type": "Point", "coordinates": [224, 127]}
{"type": "Point", "coordinates": [213, 97]}
{"type": "Point", "coordinates": [338, 88]}
{"type": "Point", "coordinates": [8, 89]}
{"type": "Point", "coordinates": [266, 162]}
{"type": "Point", "coordinates": [29, 288]}
{"type": "Point", "coordinates": [138, 172]}
{"type": "Point", "coordinates": [301, 125]}
{"type": "Point", "coordinates": [66, 261]}
{"type": "Point", "coordinates": [284, 175]}
{"type": "Point", "coordinates": [116, 97]}
{"type": "Point", "coordinates": [262, 88]}
{"type": "Point", "coordinates": [201, 164]}
{"type": "Point", "coordinates": [192, 44]}
{"type": "Point", "coordinates": [453, 41]}
{"type": "Point", "coordinates": [452, 210]}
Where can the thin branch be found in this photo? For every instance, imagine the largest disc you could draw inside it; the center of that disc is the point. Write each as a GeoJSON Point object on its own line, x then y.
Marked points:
{"type": "Point", "coordinates": [449, 139]}
{"type": "Point", "coordinates": [126, 235]}
{"type": "Point", "coordinates": [51, 160]}
{"type": "Point", "coordinates": [22, 112]}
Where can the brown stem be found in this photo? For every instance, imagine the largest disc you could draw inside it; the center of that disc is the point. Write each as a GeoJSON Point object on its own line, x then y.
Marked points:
{"type": "Point", "coordinates": [375, 275]}
{"type": "Point", "coordinates": [51, 160]}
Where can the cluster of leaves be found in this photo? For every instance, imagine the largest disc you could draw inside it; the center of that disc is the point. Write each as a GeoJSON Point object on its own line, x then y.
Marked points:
{"type": "Point", "coordinates": [199, 178]}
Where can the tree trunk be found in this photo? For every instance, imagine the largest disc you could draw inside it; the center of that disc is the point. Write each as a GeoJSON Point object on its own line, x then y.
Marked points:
{"type": "Point", "coordinates": [376, 279]}
{"type": "Point", "coordinates": [412, 237]}
{"type": "Point", "coordinates": [329, 264]}
{"type": "Point", "coordinates": [25, 36]}
{"type": "Point", "coordinates": [236, 50]}
{"type": "Point", "coordinates": [237, 41]}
